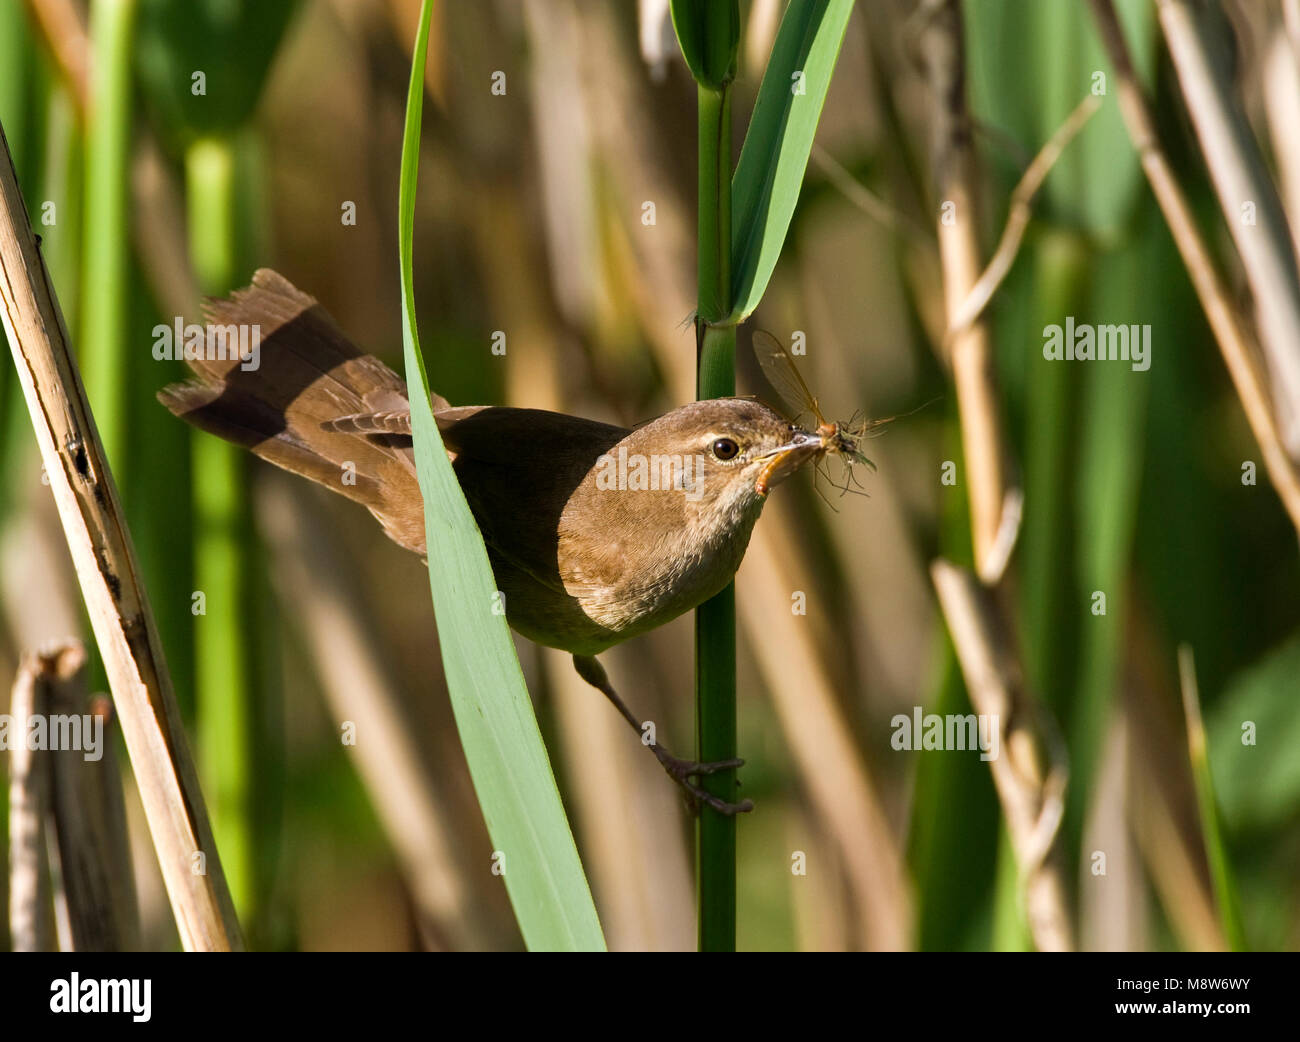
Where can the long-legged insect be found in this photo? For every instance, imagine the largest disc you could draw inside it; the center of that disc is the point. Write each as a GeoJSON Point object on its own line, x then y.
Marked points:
{"type": "Point", "coordinates": [838, 439]}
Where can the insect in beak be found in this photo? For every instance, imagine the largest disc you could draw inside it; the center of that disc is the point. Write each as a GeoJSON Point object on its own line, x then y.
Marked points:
{"type": "Point", "coordinates": [788, 458]}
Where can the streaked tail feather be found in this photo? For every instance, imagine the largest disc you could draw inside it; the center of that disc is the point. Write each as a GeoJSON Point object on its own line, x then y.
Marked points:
{"type": "Point", "coordinates": [314, 405]}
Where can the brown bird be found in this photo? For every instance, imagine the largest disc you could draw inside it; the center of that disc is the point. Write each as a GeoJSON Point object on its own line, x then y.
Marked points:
{"type": "Point", "coordinates": [595, 533]}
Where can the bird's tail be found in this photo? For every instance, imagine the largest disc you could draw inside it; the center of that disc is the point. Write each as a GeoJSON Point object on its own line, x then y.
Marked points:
{"type": "Point", "coordinates": [306, 399]}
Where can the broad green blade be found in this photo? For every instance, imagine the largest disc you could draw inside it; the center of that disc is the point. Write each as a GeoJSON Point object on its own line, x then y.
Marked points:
{"type": "Point", "coordinates": [534, 847]}
{"type": "Point", "coordinates": [1097, 181]}
{"type": "Point", "coordinates": [1255, 734]}
{"type": "Point", "coordinates": [204, 63]}
{"type": "Point", "coordinates": [775, 154]}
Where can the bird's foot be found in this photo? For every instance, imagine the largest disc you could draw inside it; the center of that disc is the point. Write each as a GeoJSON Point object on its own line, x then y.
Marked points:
{"type": "Point", "coordinates": [683, 772]}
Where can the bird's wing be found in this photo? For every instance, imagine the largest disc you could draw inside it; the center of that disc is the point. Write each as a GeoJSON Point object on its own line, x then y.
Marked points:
{"type": "Point", "coordinates": [518, 468]}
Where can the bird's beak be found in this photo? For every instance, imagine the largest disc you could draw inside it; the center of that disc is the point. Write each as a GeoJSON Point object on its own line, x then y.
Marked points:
{"type": "Point", "coordinates": [785, 460]}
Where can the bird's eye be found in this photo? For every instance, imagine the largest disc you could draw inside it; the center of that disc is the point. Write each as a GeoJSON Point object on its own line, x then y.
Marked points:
{"type": "Point", "coordinates": [725, 449]}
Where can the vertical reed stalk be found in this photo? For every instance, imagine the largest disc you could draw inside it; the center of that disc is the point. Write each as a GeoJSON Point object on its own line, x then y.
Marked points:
{"type": "Point", "coordinates": [222, 528]}
{"type": "Point", "coordinates": [107, 236]}
{"type": "Point", "coordinates": [715, 620]}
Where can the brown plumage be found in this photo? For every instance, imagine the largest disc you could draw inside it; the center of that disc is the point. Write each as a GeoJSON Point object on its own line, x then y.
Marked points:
{"type": "Point", "coordinates": [585, 555]}
{"type": "Point", "coordinates": [581, 567]}
{"type": "Point", "coordinates": [309, 374]}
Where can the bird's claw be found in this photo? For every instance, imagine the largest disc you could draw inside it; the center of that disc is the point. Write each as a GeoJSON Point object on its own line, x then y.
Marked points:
{"type": "Point", "coordinates": [683, 771]}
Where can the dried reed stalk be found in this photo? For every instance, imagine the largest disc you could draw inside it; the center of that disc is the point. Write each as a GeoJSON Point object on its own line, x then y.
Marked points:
{"type": "Point", "coordinates": [108, 572]}
{"type": "Point", "coordinates": [1029, 770]}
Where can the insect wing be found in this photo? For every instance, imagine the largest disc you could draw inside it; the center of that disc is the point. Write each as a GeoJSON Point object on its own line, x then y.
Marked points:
{"type": "Point", "coordinates": [779, 368]}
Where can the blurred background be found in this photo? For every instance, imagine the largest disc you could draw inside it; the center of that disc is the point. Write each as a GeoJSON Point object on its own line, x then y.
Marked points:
{"type": "Point", "coordinates": [166, 149]}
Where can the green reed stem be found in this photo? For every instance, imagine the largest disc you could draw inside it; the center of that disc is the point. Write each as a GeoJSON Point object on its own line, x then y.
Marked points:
{"type": "Point", "coordinates": [224, 657]}
{"type": "Point", "coordinates": [107, 236]}
{"type": "Point", "coordinates": [715, 620]}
